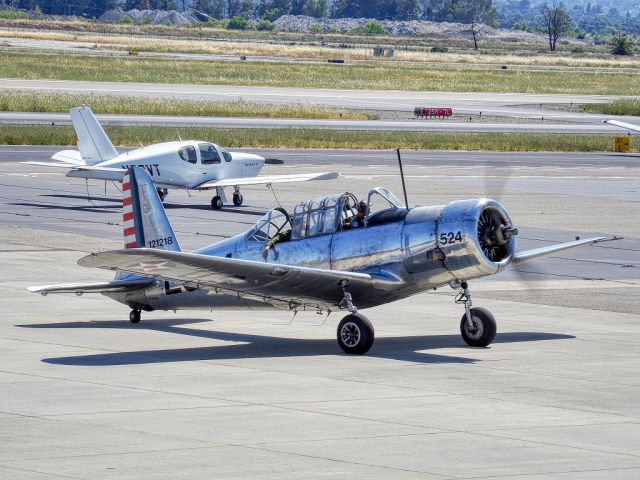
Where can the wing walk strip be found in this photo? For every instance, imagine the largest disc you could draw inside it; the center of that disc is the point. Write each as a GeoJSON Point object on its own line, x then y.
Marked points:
{"type": "Point", "coordinates": [127, 215]}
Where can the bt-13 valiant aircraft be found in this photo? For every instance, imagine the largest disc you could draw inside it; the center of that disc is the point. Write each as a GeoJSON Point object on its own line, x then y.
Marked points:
{"type": "Point", "coordinates": [320, 263]}
{"type": "Point", "coordinates": [191, 164]}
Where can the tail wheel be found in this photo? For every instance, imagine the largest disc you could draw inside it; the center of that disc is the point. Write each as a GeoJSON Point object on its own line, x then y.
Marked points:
{"type": "Point", "coordinates": [484, 328]}
{"type": "Point", "coordinates": [237, 199]}
{"type": "Point", "coordinates": [355, 334]}
{"type": "Point", "coordinates": [134, 316]}
{"type": "Point", "coordinates": [216, 203]}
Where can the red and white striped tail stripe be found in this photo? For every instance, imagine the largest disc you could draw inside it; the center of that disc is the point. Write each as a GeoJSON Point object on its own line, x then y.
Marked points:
{"type": "Point", "coordinates": [127, 213]}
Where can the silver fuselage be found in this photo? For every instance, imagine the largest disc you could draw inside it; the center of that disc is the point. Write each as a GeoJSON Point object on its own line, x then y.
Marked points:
{"type": "Point", "coordinates": [422, 249]}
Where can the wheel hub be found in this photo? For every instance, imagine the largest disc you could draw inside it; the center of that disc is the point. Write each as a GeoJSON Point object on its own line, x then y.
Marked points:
{"type": "Point", "coordinates": [350, 334]}
{"type": "Point", "coordinates": [477, 331]}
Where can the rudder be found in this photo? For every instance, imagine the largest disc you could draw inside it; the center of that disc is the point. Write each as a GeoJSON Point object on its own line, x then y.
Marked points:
{"type": "Point", "coordinates": [93, 143]}
{"type": "Point", "coordinates": [146, 224]}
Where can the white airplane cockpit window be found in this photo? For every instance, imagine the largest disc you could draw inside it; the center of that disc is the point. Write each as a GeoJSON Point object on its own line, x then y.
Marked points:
{"type": "Point", "coordinates": [188, 154]}
{"type": "Point", "coordinates": [208, 153]}
{"type": "Point", "coordinates": [225, 154]}
{"type": "Point", "coordinates": [272, 223]}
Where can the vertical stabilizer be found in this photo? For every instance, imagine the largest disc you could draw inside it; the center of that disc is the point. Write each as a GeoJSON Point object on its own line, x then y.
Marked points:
{"type": "Point", "coordinates": [145, 222]}
{"type": "Point", "coordinates": [93, 143]}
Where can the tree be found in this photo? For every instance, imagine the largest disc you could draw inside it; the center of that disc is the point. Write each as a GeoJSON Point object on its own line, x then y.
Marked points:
{"type": "Point", "coordinates": [213, 8]}
{"type": "Point", "coordinates": [621, 45]}
{"type": "Point", "coordinates": [477, 13]}
{"type": "Point", "coordinates": [556, 23]}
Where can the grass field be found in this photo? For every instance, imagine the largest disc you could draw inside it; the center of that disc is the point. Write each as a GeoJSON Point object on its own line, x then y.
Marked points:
{"type": "Point", "coordinates": [382, 76]}
{"type": "Point", "coordinates": [30, 101]}
{"type": "Point", "coordinates": [300, 138]}
{"type": "Point", "coordinates": [628, 106]}
{"type": "Point", "coordinates": [274, 48]}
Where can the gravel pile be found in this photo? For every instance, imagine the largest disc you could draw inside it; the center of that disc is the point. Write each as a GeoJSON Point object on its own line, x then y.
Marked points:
{"type": "Point", "coordinates": [300, 23]}
{"type": "Point", "coordinates": [155, 17]}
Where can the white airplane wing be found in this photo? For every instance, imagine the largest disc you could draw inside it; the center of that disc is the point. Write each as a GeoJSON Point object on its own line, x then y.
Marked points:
{"type": "Point", "coordinates": [628, 126]}
{"type": "Point", "coordinates": [284, 286]}
{"type": "Point", "coordinates": [262, 180]}
{"type": "Point", "coordinates": [93, 287]}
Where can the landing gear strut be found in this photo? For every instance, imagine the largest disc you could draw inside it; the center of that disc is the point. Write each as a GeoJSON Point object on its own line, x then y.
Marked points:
{"type": "Point", "coordinates": [355, 332]}
{"type": "Point", "coordinates": [237, 196]}
{"type": "Point", "coordinates": [477, 325]}
{"type": "Point", "coordinates": [134, 316]}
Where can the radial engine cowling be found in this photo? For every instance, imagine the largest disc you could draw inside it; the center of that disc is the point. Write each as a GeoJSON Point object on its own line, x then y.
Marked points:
{"type": "Point", "coordinates": [477, 238]}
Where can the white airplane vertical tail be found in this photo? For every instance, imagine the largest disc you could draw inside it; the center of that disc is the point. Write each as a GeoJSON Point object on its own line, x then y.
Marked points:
{"type": "Point", "coordinates": [146, 224]}
{"type": "Point", "coordinates": [93, 143]}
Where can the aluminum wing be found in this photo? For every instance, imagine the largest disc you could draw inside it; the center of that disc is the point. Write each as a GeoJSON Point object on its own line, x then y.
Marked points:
{"type": "Point", "coordinates": [262, 180]}
{"type": "Point", "coordinates": [284, 286]}
{"type": "Point", "coordinates": [528, 255]}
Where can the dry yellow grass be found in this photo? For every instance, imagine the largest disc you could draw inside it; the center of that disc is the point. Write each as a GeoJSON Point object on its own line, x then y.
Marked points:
{"type": "Point", "coordinates": [262, 48]}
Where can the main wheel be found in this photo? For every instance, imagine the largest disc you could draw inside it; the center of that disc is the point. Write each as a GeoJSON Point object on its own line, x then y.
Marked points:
{"type": "Point", "coordinates": [484, 331]}
{"type": "Point", "coordinates": [216, 203]}
{"type": "Point", "coordinates": [355, 334]}
{"type": "Point", "coordinates": [237, 199]}
{"type": "Point", "coordinates": [134, 316]}
{"type": "Point", "coordinates": [162, 193]}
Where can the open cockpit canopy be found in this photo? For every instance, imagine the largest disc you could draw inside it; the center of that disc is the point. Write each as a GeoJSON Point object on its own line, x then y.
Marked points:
{"type": "Point", "coordinates": [323, 215]}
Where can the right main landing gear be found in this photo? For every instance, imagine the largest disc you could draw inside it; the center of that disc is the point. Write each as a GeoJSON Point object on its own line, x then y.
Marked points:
{"type": "Point", "coordinates": [355, 332]}
{"type": "Point", "coordinates": [134, 316]}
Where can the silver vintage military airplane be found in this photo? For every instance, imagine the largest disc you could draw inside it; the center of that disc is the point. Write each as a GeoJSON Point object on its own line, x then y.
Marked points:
{"type": "Point", "coordinates": [319, 264]}
{"type": "Point", "coordinates": [190, 164]}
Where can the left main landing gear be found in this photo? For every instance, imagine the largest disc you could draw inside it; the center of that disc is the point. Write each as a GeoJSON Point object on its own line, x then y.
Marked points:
{"type": "Point", "coordinates": [355, 332]}
{"type": "Point", "coordinates": [477, 325]}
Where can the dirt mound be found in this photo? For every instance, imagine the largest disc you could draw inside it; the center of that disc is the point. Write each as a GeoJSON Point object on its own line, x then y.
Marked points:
{"type": "Point", "coordinates": [412, 28]}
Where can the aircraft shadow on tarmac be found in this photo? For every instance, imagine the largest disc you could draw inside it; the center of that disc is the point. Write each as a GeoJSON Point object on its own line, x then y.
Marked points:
{"type": "Point", "coordinates": [87, 208]}
{"type": "Point", "coordinates": [408, 349]}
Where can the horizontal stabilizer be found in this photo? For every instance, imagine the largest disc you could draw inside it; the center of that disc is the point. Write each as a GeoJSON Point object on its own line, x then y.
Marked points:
{"type": "Point", "coordinates": [94, 287]}
{"type": "Point", "coordinates": [69, 156]}
{"type": "Point", "coordinates": [262, 180]}
{"type": "Point", "coordinates": [527, 255]}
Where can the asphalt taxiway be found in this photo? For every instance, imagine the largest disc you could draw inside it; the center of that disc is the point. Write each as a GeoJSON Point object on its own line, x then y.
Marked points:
{"type": "Point", "coordinates": [86, 395]}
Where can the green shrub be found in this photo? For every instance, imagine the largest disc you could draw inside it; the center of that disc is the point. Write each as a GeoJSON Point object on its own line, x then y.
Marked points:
{"type": "Point", "coordinates": [213, 23]}
{"type": "Point", "coordinates": [621, 45]}
{"type": "Point", "coordinates": [239, 23]}
{"type": "Point", "coordinates": [12, 14]}
{"type": "Point", "coordinates": [264, 25]}
{"type": "Point", "coordinates": [439, 49]}
{"type": "Point", "coordinates": [371, 28]}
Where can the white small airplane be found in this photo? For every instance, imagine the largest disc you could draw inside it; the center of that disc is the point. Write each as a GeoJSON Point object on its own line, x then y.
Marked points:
{"type": "Point", "coordinates": [189, 164]}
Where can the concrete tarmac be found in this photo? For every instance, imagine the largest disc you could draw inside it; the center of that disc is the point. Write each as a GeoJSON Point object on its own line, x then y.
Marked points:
{"type": "Point", "coordinates": [87, 395]}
